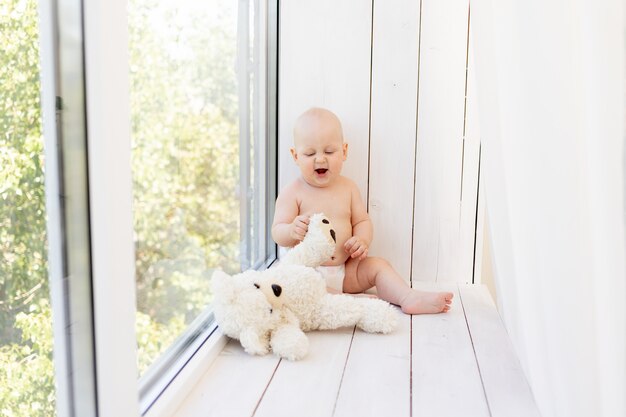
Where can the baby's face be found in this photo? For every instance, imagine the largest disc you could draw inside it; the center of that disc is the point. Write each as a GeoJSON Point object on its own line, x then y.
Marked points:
{"type": "Point", "coordinates": [319, 152]}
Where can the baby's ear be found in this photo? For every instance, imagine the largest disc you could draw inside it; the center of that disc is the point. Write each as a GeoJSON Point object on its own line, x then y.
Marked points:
{"type": "Point", "coordinates": [345, 151]}
{"type": "Point", "coordinates": [294, 154]}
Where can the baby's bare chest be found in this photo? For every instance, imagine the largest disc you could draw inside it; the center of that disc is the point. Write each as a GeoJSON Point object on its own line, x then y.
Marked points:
{"type": "Point", "coordinates": [336, 205]}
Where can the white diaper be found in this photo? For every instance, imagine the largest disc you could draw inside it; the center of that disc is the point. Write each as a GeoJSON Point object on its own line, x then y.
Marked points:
{"type": "Point", "coordinates": [334, 275]}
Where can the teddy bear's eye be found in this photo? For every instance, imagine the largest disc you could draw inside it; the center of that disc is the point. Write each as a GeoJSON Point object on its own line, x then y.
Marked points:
{"type": "Point", "coordinates": [325, 221]}
{"type": "Point", "coordinates": [256, 285]}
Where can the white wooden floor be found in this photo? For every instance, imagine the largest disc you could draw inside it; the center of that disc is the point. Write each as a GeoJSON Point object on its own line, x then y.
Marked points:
{"type": "Point", "coordinates": [455, 364]}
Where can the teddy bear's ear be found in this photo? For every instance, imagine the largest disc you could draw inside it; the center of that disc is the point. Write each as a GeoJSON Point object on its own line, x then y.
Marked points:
{"type": "Point", "coordinates": [221, 283]}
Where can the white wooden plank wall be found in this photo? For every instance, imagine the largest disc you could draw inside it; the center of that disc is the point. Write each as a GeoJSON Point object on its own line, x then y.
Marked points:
{"type": "Point", "coordinates": [392, 144]}
{"type": "Point", "coordinates": [325, 59]}
{"type": "Point", "coordinates": [440, 121]}
{"type": "Point", "coordinates": [395, 74]}
{"type": "Point", "coordinates": [472, 210]}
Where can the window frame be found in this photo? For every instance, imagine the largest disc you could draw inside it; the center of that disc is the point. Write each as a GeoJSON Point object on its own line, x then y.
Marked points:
{"type": "Point", "coordinates": [110, 200]}
{"type": "Point", "coordinates": [67, 206]}
{"type": "Point", "coordinates": [86, 125]}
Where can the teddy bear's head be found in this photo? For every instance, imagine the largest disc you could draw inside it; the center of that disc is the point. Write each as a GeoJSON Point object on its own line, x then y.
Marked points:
{"type": "Point", "coordinates": [271, 290]}
{"type": "Point", "coordinates": [318, 245]}
{"type": "Point", "coordinates": [246, 300]}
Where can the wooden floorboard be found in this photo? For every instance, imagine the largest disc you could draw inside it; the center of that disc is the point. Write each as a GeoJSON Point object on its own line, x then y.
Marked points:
{"type": "Point", "coordinates": [309, 387]}
{"type": "Point", "coordinates": [376, 381]}
{"type": "Point", "coordinates": [232, 386]}
{"type": "Point", "coordinates": [445, 377]}
{"type": "Point", "coordinates": [456, 364]}
{"type": "Point", "coordinates": [506, 388]}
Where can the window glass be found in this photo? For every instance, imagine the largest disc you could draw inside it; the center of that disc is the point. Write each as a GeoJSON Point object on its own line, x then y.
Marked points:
{"type": "Point", "coordinates": [197, 157]}
{"type": "Point", "coordinates": [26, 364]}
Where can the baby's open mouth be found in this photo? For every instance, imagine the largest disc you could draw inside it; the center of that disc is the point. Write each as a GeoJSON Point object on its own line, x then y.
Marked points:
{"type": "Point", "coordinates": [321, 171]}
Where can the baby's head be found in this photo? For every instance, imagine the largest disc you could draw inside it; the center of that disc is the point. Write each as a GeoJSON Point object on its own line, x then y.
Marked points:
{"type": "Point", "coordinates": [319, 150]}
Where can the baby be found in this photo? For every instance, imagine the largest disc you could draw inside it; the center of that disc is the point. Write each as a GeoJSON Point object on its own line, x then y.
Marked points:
{"type": "Point", "coordinates": [319, 152]}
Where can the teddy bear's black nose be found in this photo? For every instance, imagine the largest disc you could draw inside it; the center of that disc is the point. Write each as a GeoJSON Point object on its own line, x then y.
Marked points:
{"type": "Point", "coordinates": [277, 290]}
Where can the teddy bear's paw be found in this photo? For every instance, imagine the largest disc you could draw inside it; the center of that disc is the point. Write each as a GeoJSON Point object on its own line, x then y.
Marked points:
{"type": "Point", "coordinates": [253, 344]}
{"type": "Point", "coordinates": [318, 245]}
{"type": "Point", "coordinates": [290, 342]}
{"type": "Point", "coordinates": [379, 317]}
{"type": "Point", "coordinates": [255, 349]}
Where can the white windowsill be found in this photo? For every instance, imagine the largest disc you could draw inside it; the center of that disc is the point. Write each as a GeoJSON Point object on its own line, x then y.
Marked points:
{"type": "Point", "coordinates": [178, 389]}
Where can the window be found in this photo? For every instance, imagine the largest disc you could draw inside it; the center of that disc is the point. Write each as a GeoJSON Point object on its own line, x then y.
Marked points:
{"type": "Point", "coordinates": [203, 173]}
{"type": "Point", "coordinates": [201, 162]}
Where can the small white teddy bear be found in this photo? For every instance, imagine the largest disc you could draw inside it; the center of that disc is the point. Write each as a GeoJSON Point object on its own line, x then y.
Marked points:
{"type": "Point", "coordinates": [243, 311]}
{"type": "Point", "coordinates": [271, 309]}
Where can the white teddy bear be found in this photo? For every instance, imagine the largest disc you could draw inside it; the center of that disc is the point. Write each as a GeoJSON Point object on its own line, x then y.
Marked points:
{"type": "Point", "coordinates": [271, 309]}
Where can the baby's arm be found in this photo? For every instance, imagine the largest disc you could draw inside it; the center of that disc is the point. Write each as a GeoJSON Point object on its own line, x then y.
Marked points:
{"type": "Point", "coordinates": [288, 228]}
{"type": "Point", "coordinates": [362, 231]}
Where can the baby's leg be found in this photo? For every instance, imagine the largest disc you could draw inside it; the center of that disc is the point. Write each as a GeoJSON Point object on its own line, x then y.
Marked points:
{"type": "Point", "coordinates": [370, 272]}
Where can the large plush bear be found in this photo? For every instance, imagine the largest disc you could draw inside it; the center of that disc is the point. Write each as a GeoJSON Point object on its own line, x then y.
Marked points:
{"type": "Point", "coordinates": [271, 309]}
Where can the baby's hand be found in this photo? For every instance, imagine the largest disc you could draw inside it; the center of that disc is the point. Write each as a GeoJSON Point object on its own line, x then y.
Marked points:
{"type": "Point", "coordinates": [299, 227]}
{"type": "Point", "coordinates": [356, 247]}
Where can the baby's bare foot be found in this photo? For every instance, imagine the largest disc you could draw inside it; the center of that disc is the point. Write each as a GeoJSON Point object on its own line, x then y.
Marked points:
{"type": "Point", "coordinates": [422, 302]}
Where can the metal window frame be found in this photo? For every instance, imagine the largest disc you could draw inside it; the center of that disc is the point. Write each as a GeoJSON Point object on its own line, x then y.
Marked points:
{"type": "Point", "coordinates": [67, 205]}
{"type": "Point", "coordinates": [84, 80]}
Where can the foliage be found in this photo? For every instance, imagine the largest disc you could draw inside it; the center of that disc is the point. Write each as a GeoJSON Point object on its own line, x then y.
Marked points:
{"type": "Point", "coordinates": [150, 347]}
{"type": "Point", "coordinates": [26, 366]}
{"type": "Point", "coordinates": [185, 152]}
{"type": "Point", "coordinates": [26, 369]}
{"type": "Point", "coordinates": [22, 203]}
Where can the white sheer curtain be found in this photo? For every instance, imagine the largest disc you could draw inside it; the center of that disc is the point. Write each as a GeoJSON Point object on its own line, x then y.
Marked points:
{"type": "Point", "coordinates": [550, 77]}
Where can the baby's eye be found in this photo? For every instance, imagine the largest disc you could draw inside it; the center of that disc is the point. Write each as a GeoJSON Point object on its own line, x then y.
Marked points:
{"type": "Point", "coordinates": [309, 154]}
{"type": "Point", "coordinates": [329, 152]}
